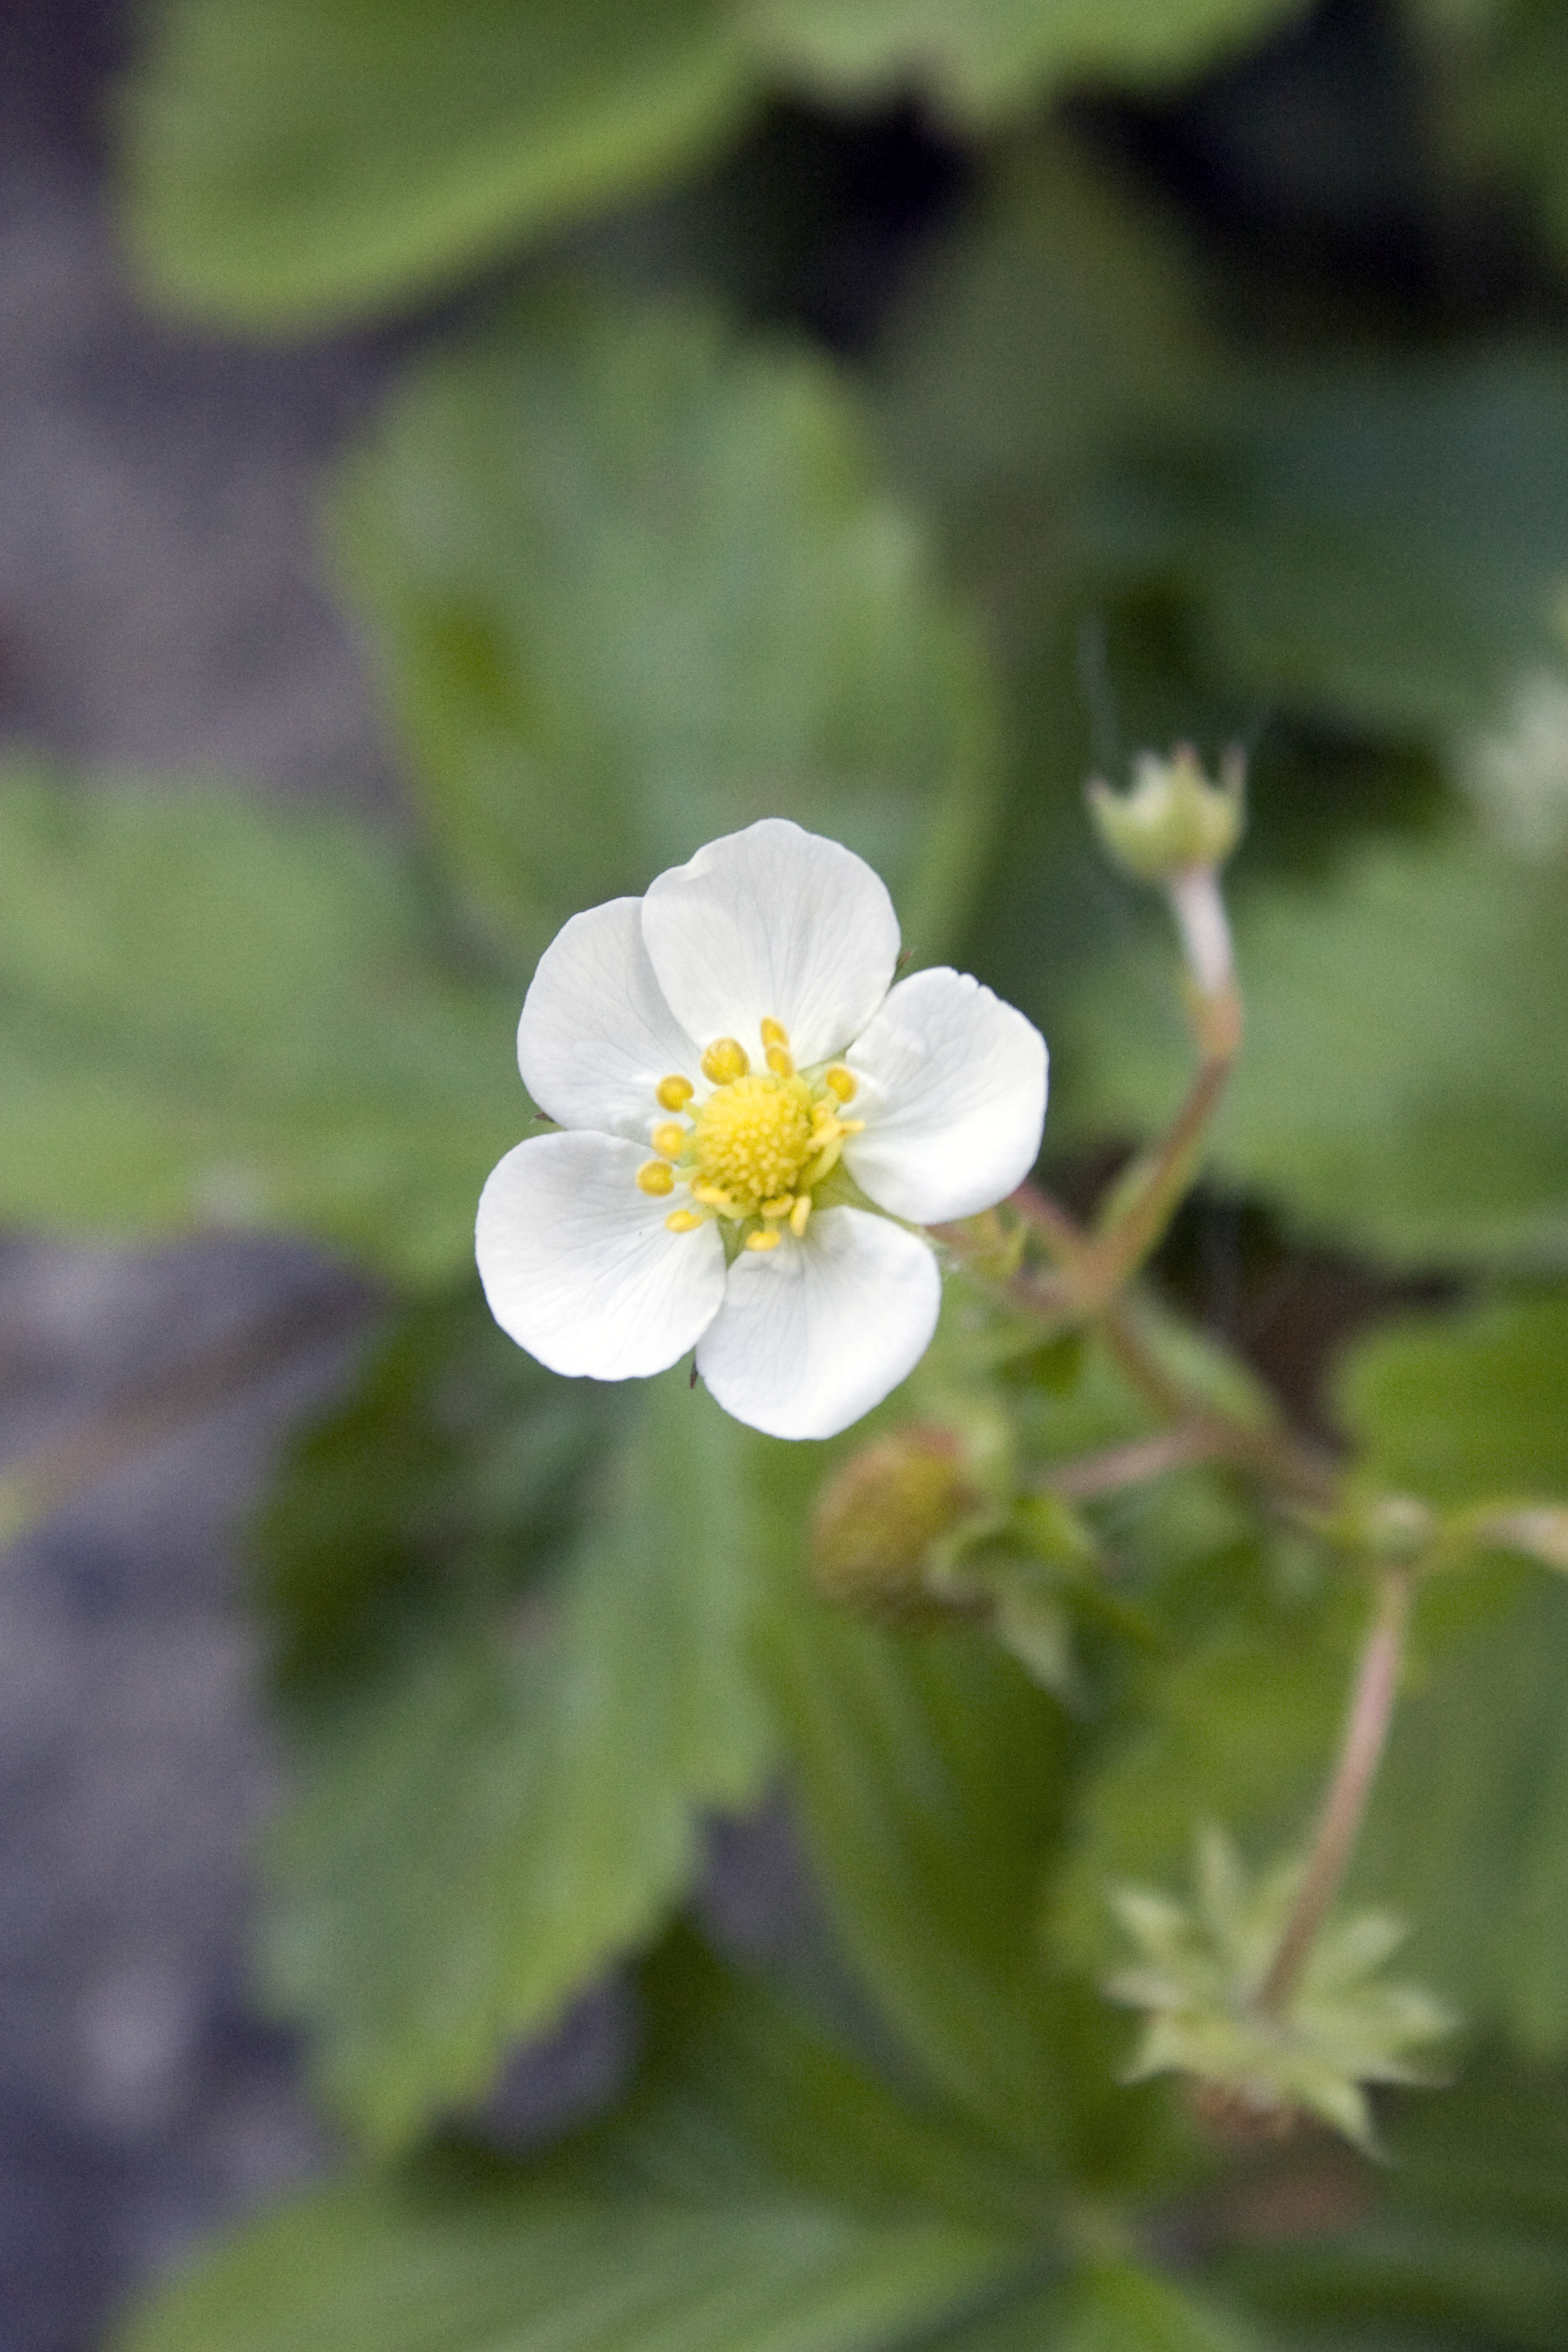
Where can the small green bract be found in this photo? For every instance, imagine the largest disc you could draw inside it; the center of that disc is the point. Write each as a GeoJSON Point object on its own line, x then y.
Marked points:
{"type": "Point", "coordinates": [1199, 1972]}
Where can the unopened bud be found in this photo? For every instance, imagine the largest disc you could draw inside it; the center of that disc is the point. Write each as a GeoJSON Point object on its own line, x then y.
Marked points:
{"type": "Point", "coordinates": [880, 1521]}
{"type": "Point", "coordinates": [1173, 819]}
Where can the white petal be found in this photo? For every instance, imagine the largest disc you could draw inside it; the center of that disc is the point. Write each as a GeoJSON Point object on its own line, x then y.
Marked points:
{"type": "Point", "coordinates": [953, 1097]}
{"type": "Point", "coordinates": [815, 1333]}
{"type": "Point", "coordinates": [579, 1267]}
{"type": "Point", "coordinates": [597, 1036]}
{"type": "Point", "coordinates": [772, 924]}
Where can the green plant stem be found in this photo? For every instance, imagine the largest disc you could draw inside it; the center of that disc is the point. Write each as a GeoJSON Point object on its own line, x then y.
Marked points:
{"type": "Point", "coordinates": [1367, 1722]}
{"type": "Point", "coordinates": [1276, 1455]}
{"type": "Point", "coordinates": [1166, 1180]}
{"type": "Point", "coordinates": [1118, 1466]}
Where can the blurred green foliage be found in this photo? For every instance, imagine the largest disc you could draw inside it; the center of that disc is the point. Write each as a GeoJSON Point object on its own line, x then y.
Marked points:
{"type": "Point", "coordinates": [636, 562]}
{"type": "Point", "coordinates": [614, 560]}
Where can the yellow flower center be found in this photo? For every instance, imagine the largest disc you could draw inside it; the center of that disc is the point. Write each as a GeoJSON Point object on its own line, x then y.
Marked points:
{"type": "Point", "coordinates": [756, 1146]}
{"type": "Point", "coordinates": [753, 1137]}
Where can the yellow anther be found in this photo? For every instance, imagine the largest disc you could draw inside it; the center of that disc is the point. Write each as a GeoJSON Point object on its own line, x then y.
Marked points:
{"type": "Point", "coordinates": [766, 1241]}
{"type": "Point", "coordinates": [799, 1214]}
{"type": "Point", "coordinates": [781, 1061]}
{"type": "Point", "coordinates": [713, 1195]}
{"type": "Point", "coordinates": [775, 1034]}
{"type": "Point", "coordinates": [844, 1083]}
{"type": "Point", "coordinates": [676, 1093]}
{"type": "Point", "coordinates": [683, 1220]}
{"type": "Point", "coordinates": [725, 1060]}
{"type": "Point", "coordinates": [779, 1208]}
{"type": "Point", "coordinates": [669, 1139]}
{"type": "Point", "coordinates": [655, 1177]}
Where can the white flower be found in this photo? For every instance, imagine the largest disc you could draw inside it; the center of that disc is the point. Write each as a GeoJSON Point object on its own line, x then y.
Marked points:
{"type": "Point", "coordinates": [722, 1056]}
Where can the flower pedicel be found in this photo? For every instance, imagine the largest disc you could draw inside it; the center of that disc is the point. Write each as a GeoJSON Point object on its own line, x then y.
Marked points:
{"type": "Point", "coordinates": [751, 1119]}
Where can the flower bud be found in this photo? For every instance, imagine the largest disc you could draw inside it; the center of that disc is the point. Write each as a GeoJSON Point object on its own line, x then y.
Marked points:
{"type": "Point", "coordinates": [880, 1521]}
{"type": "Point", "coordinates": [1173, 820]}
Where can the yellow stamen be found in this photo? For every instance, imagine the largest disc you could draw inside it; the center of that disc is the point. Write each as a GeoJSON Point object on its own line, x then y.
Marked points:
{"type": "Point", "coordinates": [779, 1208]}
{"type": "Point", "coordinates": [768, 1241]}
{"type": "Point", "coordinates": [725, 1060]}
{"type": "Point", "coordinates": [775, 1034]}
{"type": "Point", "coordinates": [669, 1139]}
{"type": "Point", "coordinates": [799, 1214]}
{"type": "Point", "coordinates": [844, 1083]}
{"type": "Point", "coordinates": [781, 1061]}
{"type": "Point", "coordinates": [677, 1092]}
{"type": "Point", "coordinates": [713, 1195]}
{"type": "Point", "coordinates": [655, 1177]}
{"type": "Point", "coordinates": [682, 1220]}
{"type": "Point", "coordinates": [815, 1169]}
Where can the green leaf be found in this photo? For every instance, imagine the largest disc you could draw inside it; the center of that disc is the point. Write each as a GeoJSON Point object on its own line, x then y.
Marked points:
{"type": "Point", "coordinates": [1237, 1729]}
{"type": "Point", "coordinates": [367, 2268]}
{"type": "Point", "coordinates": [1382, 548]}
{"type": "Point", "coordinates": [511, 1798]}
{"type": "Point", "coordinates": [222, 1012]}
{"type": "Point", "coordinates": [442, 1487]}
{"type": "Point", "coordinates": [1000, 411]}
{"type": "Point", "coordinates": [303, 160]}
{"type": "Point", "coordinates": [992, 56]}
{"type": "Point", "coordinates": [1463, 2243]}
{"type": "Point", "coordinates": [759, 2194]}
{"type": "Point", "coordinates": [782, 2103]}
{"type": "Point", "coordinates": [929, 1775]}
{"type": "Point", "coordinates": [1457, 1408]}
{"type": "Point", "coordinates": [1498, 74]}
{"type": "Point", "coordinates": [294, 161]}
{"type": "Point", "coordinates": [1468, 1838]}
{"type": "Point", "coordinates": [635, 586]}
{"type": "Point", "coordinates": [1401, 1085]}
{"type": "Point", "coordinates": [1118, 2307]}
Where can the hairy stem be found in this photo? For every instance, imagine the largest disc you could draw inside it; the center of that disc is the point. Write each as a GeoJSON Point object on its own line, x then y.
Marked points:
{"type": "Point", "coordinates": [1116, 1466]}
{"type": "Point", "coordinates": [1360, 1752]}
{"type": "Point", "coordinates": [1164, 1185]}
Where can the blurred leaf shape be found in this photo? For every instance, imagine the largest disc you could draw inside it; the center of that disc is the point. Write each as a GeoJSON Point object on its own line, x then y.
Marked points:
{"type": "Point", "coordinates": [289, 161]}
{"type": "Point", "coordinates": [1122, 2306]}
{"type": "Point", "coordinates": [1464, 2244]}
{"type": "Point", "coordinates": [990, 57]}
{"type": "Point", "coordinates": [1381, 544]}
{"type": "Point", "coordinates": [1236, 1727]}
{"type": "Point", "coordinates": [1375, 541]}
{"type": "Point", "coordinates": [1059, 321]}
{"type": "Point", "coordinates": [1496, 69]}
{"type": "Point", "coordinates": [510, 1797]}
{"type": "Point", "coordinates": [1457, 1408]}
{"type": "Point", "coordinates": [1468, 1837]}
{"type": "Point", "coordinates": [634, 585]}
{"type": "Point", "coordinates": [439, 1489]}
{"type": "Point", "coordinates": [1403, 1086]}
{"type": "Point", "coordinates": [710, 2214]}
{"type": "Point", "coordinates": [222, 1011]}
{"type": "Point", "coordinates": [930, 1777]}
